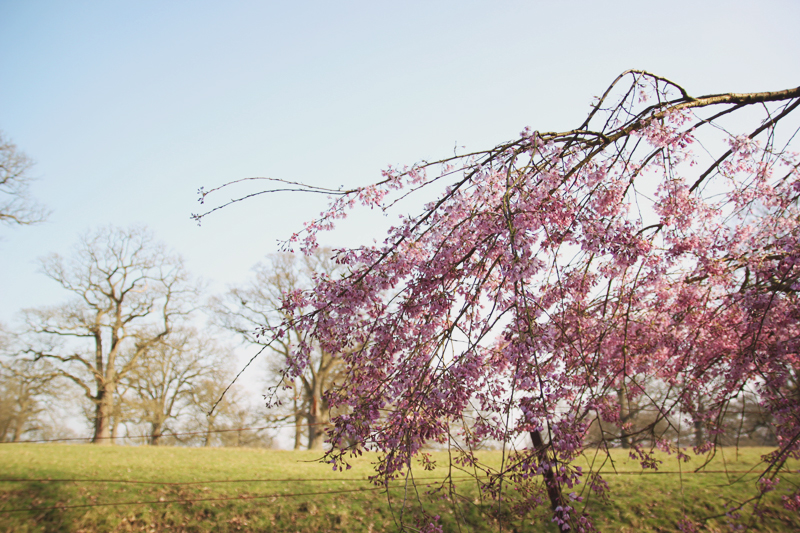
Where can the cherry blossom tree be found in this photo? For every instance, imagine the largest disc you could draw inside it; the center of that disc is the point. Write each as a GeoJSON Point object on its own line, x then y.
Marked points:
{"type": "Point", "coordinates": [553, 276]}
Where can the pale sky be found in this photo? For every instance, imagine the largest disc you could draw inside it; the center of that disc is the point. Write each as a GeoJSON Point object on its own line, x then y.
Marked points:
{"type": "Point", "coordinates": [129, 107]}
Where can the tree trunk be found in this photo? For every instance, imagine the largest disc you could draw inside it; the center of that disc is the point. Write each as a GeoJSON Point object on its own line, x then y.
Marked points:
{"type": "Point", "coordinates": [318, 419]}
{"type": "Point", "coordinates": [207, 439]}
{"type": "Point", "coordinates": [19, 429]}
{"type": "Point", "coordinates": [699, 433]}
{"type": "Point", "coordinates": [4, 430]}
{"type": "Point", "coordinates": [624, 415]}
{"type": "Point", "coordinates": [557, 502]}
{"type": "Point", "coordinates": [102, 418]}
{"type": "Point", "coordinates": [114, 428]}
{"type": "Point", "coordinates": [155, 433]}
{"type": "Point", "coordinates": [298, 425]}
{"type": "Point", "coordinates": [21, 417]}
{"type": "Point", "coordinates": [298, 432]}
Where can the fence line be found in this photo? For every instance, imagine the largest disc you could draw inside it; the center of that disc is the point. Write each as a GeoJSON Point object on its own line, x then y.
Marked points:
{"type": "Point", "coordinates": [291, 425]}
{"type": "Point", "coordinates": [361, 479]}
{"type": "Point", "coordinates": [186, 500]}
{"type": "Point", "coordinates": [396, 485]}
{"type": "Point", "coordinates": [172, 483]}
{"type": "Point", "coordinates": [167, 435]}
{"type": "Point", "coordinates": [208, 482]}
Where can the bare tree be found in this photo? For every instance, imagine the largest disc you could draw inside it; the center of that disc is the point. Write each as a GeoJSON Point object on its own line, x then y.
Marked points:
{"type": "Point", "coordinates": [16, 205]}
{"type": "Point", "coordinates": [167, 376]}
{"type": "Point", "coordinates": [222, 419]}
{"type": "Point", "coordinates": [128, 292]}
{"type": "Point", "coordinates": [26, 389]}
{"type": "Point", "coordinates": [255, 307]}
{"type": "Point", "coordinates": [29, 392]}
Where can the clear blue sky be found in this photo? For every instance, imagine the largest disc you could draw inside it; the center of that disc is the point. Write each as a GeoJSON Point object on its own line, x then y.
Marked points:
{"type": "Point", "coordinates": [129, 107]}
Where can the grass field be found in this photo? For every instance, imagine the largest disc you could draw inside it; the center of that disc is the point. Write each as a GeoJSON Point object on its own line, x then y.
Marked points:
{"type": "Point", "coordinates": [234, 489]}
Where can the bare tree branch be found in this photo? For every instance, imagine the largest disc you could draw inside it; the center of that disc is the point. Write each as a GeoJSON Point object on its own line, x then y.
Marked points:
{"type": "Point", "coordinates": [17, 207]}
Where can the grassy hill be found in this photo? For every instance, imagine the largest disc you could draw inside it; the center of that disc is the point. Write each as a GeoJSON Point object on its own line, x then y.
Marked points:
{"type": "Point", "coordinates": [85, 488]}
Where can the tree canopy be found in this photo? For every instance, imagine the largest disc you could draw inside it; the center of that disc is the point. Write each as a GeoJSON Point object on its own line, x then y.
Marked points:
{"type": "Point", "coordinates": [17, 207]}
{"type": "Point", "coordinates": [251, 309]}
{"type": "Point", "coordinates": [129, 291]}
{"type": "Point", "coordinates": [552, 276]}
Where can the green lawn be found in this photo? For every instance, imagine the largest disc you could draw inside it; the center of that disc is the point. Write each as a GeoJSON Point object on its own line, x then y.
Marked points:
{"type": "Point", "coordinates": [262, 500]}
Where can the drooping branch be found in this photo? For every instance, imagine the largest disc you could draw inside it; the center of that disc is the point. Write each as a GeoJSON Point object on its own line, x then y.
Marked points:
{"type": "Point", "coordinates": [569, 281]}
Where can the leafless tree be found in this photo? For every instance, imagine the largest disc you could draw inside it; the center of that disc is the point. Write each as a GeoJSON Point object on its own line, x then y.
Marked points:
{"type": "Point", "coordinates": [129, 291]}
{"type": "Point", "coordinates": [250, 309]}
{"type": "Point", "coordinates": [222, 420]}
{"type": "Point", "coordinates": [26, 391]}
{"type": "Point", "coordinates": [16, 205]}
{"type": "Point", "coordinates": [166, 378]}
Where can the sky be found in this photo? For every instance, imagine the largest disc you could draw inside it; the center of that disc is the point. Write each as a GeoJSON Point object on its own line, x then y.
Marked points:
{"type": "Point", "coordinates": [129, 107]}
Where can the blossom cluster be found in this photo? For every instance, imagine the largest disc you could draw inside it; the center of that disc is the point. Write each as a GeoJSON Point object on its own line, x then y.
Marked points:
{"type": "Point", "coordinates": [553, 278]}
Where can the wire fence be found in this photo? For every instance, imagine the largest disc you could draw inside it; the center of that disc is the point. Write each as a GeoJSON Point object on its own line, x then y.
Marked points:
{"type": "Point", "coordinates": [163, 501]}
{"type": "Point", "coordinates": [284, 495]}
{"type": "Point", "coordinates": [145, 437]}
{"type": "Point", "coordinates": [291, 425]}
{"type": "Point", "coordinates": [275, 495]}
